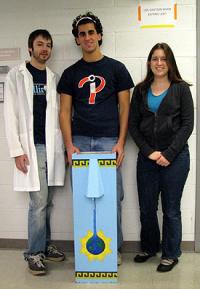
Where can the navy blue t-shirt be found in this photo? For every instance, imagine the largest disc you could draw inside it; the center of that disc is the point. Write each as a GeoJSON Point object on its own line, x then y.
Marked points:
{"type": "Point", "coordinates": [39, 103]}
{"type": "Point", "coordinates": [94, 87]}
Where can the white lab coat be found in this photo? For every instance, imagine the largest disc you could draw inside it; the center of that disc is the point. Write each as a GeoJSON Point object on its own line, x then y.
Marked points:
{"type": "Point", "coordinates": [18, 112]}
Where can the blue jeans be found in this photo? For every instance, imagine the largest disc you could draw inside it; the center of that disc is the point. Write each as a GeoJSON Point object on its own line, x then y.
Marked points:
{"type": "Point", "coordinates": [40, 206]}
{"type": "Point", "coordinates": [152, 180]}
{"type": "Point", "coordinates": [98, 144]}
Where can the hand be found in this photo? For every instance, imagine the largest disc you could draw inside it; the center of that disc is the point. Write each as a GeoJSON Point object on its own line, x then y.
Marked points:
{"type": "Point", "coordinates": [21, 163]}
{"type": "Point", "coordinates": [119, 150]}
{"type": "Point", "coordinates": [162, 161]}
{"type": "Point", "coordinates": [70, 150]}
{"type": "Point", "coordinates": [155, 156]}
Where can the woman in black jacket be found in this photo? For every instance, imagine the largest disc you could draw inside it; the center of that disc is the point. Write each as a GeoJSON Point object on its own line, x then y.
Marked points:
{"type": "Point", "coordinates": [160, 122]}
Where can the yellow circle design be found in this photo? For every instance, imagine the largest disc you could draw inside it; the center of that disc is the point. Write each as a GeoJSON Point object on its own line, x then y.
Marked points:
{"type": "Point", "coordinates": [102, 255]}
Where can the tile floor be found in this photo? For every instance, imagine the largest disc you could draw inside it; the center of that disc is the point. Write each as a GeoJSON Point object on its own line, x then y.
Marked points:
{"type": "Point", "coordinates": [14, 274]}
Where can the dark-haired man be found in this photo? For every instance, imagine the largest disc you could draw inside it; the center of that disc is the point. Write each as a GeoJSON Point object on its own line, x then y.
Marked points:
{"type": "Point", "coordinates": [98, 89]}
{"type": "Point", "coordinates": [35, 142]}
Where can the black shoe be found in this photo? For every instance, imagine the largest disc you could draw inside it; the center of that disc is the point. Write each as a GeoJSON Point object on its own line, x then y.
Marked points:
{"type": "Point", "coordinates": [36, 264]}
{"type": "Point", "coordinates": [53, 254]}
{"type": "Point", "coordinates": [166, 265]}
{"type": "Point", "coordinates": [142, 257]}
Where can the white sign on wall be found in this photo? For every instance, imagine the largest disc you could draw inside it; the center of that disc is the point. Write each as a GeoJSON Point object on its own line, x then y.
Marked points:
{"type": "Point", "coordinates": [157, 13]}
{"type": "Point", "coordinates": [9, 54]}
{"type": "Point", "coordinates": [3, 71]}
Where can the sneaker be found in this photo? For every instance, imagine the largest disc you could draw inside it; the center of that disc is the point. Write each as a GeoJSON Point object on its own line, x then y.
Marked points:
{"type": "Point", "coordinates": [36, 264]}
{"type": "Point", "coordinates": [142, 257]}
{"type": "Point", "coordinates": [119, 258]}
{"type": "Point", "coordinates": [166, 265]}
{"type": "Point", "coordinates": [53, 254]}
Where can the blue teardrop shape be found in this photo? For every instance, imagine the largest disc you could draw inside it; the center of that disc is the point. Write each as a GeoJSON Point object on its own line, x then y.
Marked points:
{"type": "Point", "coordinates": [95, 245]}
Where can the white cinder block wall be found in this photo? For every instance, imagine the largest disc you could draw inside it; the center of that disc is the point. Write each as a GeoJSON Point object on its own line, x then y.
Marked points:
{"type": "Point", "coordinates": [124, 40]}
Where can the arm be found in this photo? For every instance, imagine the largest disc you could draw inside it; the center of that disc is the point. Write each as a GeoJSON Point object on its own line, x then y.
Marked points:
{"type": "Point", "coordinates": [11, 117]}
{"type": "Point", "coordinates": [65, 124]}
{"type": "Point", "coordinates": [135, 119]}
{"type": "Point", "coordinates": [124, 103]}
{"type": "Point", "coordinates": [187, 123]}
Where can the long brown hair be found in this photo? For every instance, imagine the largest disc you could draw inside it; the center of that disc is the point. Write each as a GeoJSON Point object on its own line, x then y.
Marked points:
{"type": "Point", "coordinates": [173, 72]}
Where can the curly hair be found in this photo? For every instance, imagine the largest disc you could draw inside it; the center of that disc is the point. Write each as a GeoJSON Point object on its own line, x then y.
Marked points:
{"type": "Point", "coordinates": [88, 17]}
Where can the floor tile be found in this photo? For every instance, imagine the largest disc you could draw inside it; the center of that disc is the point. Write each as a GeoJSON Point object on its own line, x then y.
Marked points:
{"type": "Point", "coordinates": [14, 274]}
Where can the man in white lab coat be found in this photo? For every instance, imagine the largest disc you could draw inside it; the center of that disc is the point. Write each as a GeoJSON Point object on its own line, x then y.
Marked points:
{"type": "Point", "coordinates": [35, 142]}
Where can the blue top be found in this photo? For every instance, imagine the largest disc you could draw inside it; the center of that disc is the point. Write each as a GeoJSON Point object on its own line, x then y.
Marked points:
{"type": "Point", "coordinates": [154, 101]}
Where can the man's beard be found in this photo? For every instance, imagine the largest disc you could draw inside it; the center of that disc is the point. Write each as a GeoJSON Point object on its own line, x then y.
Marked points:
{"type": "Point", "coordinates": [39, 58]}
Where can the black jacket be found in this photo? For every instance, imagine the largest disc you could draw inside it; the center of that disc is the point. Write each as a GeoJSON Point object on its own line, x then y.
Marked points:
{"type": "Point", "coordinates": [169, 128]}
